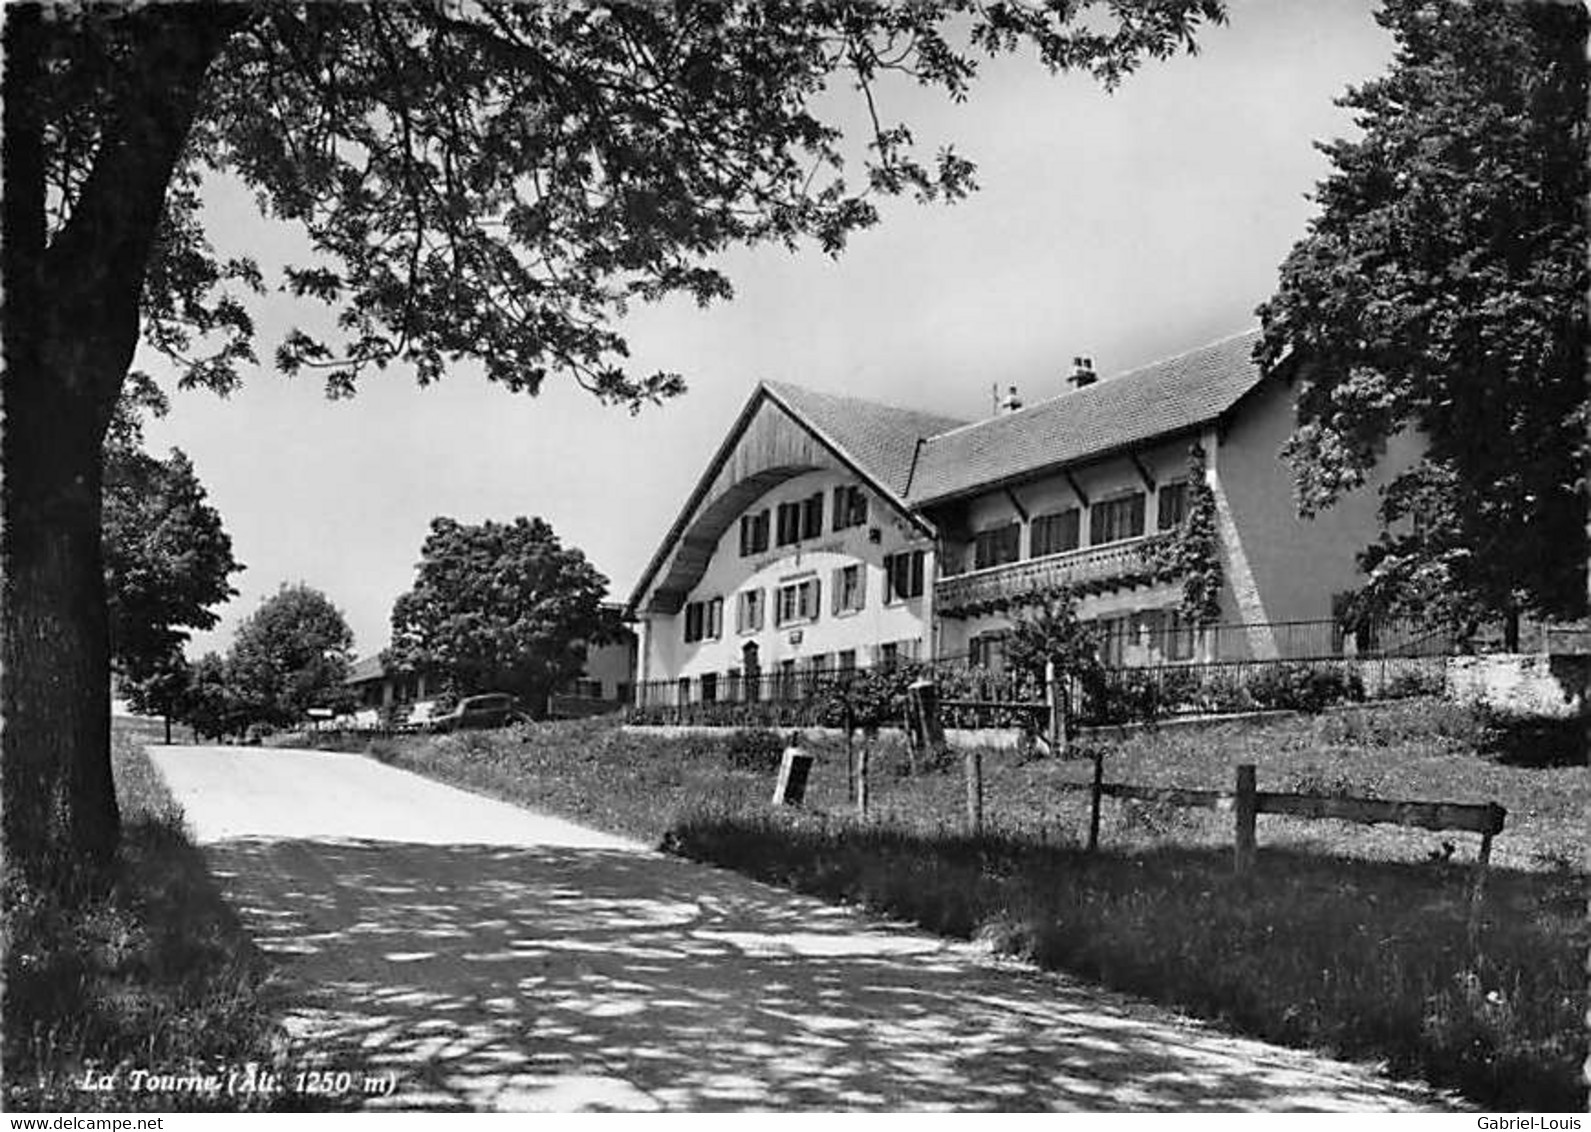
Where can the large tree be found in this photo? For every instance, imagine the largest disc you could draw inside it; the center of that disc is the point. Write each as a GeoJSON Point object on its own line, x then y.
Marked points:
{"type": "Point", "coordinates": [290, 655]}
{"type": "Point", "coordinates": [500, 607]}
{"type": "Point", "coordinates": [1442, 289]}
{"type": "Point", "coordinates": [490, 180]}
{"type": "Point", "coordinates": [167, 556]}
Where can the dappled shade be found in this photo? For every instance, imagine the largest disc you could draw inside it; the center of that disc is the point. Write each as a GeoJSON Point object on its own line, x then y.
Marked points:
{"type": "Point", "coordinates": [558, 977]}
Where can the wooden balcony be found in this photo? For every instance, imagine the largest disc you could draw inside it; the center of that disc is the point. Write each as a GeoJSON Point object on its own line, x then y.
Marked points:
{"type": "Point", "coordinates": [1093, 570]}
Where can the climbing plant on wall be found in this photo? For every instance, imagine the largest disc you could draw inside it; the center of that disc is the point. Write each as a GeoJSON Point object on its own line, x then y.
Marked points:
{"type": "Point", "coordinates": [1192, 553]}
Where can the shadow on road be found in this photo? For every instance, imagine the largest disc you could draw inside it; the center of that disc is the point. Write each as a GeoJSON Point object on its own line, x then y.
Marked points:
{"type": "Point", "coordinates": [555, 978]}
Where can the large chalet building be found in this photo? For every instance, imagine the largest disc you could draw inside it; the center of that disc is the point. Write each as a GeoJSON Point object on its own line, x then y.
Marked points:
{"type": "Point", "coordinates": [830, 532]}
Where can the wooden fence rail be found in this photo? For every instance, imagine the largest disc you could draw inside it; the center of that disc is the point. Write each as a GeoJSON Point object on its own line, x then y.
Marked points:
{"type": "Point", "coordinates": [1246, 802]}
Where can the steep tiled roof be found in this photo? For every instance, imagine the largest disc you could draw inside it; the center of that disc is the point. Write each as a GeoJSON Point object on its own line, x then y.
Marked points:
{"type": "Point", "coordinates": [881, 439]}
{"type": "Point", "coordinates": [1112, 414]}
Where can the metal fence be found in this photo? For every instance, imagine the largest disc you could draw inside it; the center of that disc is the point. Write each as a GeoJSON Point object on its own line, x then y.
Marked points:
{"type": "Point", "coordinates": [1127, 695]}
{"type": "Point", "coordinates": [1308, 663]}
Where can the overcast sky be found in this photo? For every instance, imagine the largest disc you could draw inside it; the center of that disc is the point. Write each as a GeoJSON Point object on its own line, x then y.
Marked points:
{"type": "Point", "coordinates": [1126, 226]}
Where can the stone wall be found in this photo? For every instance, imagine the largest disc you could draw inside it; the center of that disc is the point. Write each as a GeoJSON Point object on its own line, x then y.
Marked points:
{"type": "Point", "coordinates": [1531, 684]}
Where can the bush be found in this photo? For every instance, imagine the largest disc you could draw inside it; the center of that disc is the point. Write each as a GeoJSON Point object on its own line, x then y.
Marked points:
{"type": "Point", "coordinates": [1223, 691]}
{"type": "Point", "coordinates": [1423, 681]}
{"type": "Point", "coordinates": [756, 749]}
{"type": "Point", "coordinates": [1180, 688]}
{"type": "Point", "coordinates": [1301, 687]}
{"type": "Point", "coordinates": [1124, 695]}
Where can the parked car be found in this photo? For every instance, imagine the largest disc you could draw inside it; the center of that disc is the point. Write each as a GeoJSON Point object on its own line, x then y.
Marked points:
{"type": "Point", "coordinates": [490, 709]}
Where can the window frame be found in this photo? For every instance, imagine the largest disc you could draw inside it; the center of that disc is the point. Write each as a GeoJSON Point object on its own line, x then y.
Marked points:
{"type": "Point", "coordinates": [751, 610]}
{"type": "Point", "coordinates": [1052, 521]}
{"type": "Point", "coordinates": [1177, 490]}
{"type": "Point", "coordinates": [754, 533]}
{"type": "Point", "coordinates": [914, 576]}
{"type": "Point", "coordinates": [850, 507]}
{"type": "Point", "coordinates": [795, 588]}
{"type": "Point", "coordinates": [788, 524]}
{"type": "Point", "coordinates": [1134, 504]}
{"type": "Point", "coordinates": [996, 538]}
{"type": "Point", "coordinates": [848, 600]}
{"type": "Point", "coordinates": [812, 516]}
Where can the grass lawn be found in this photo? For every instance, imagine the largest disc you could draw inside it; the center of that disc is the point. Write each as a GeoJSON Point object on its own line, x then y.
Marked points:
{"type": "Point", "coordinates": [1347, 939]}
{"type": "Point", "coordinates": [153, 973]}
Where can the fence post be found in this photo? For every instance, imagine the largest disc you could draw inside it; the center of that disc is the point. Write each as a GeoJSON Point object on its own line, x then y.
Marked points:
{"type": "Point", "coordinates": [1478, 886]}
{"type": "Point", "coordinates": [1058, 721]}
{"type": "Point", "coordinates": [861, 779]}
{"type": "Point", "coordinates": [1093, 798]}
{"type": "Point", "coordinates": [974, 763]}
{"type": "Point", "coordinates": [916, 728]}
{"type": "Point", "coordinates": [1246, 809]}
{"type": "Point", "coordinates": [925, 732]}
{"type": "Point", "coordinates": [850, 753]}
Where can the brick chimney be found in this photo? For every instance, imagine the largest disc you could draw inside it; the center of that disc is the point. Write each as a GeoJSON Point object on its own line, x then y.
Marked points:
{"type": "Point", "coordinates": [1082, 372]}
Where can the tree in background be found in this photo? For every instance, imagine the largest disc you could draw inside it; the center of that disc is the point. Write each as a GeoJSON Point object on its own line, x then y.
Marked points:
{"type": "Point", "coordinates": [492, 180]}
{"type": "Point", "coordinates": [211, 705]}
{"type": "Point", "coordinates": [164, 688]}
{"type": "Point", "coordinates": [501, 607]}
{"type": "Point", "coordinates": [1442, 288]}
{"type": "Point", "coordinates": [290, 655]}
{"type": "Point", "coordinates": [167, 556]}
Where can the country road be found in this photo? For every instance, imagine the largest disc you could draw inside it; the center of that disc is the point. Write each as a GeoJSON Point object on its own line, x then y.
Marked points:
{"type": "Point", "coordinates": [492, 958]}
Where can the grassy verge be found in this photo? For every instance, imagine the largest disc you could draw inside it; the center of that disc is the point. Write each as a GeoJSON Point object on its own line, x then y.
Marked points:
{"type": "Point", "coordinates": [1360, 959]}
{"type": "Point", "coordinates": [153, 973]}
{"type": "Point", "coordinates": [1348, 939]}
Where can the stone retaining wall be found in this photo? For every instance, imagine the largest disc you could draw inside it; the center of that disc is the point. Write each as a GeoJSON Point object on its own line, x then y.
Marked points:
{"type": "Point", "coordinates": [1530, 684]}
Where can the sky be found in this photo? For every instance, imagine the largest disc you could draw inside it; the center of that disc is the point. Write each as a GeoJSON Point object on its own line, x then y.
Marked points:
{"type": "Point", "coordinates": [1126, 226]}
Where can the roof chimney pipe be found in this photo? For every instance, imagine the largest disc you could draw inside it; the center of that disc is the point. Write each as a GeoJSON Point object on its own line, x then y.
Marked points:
{"type": "Point", "coordinates": [1011, 402]}
{"type": "Point", "coordinates": [1082, 372]}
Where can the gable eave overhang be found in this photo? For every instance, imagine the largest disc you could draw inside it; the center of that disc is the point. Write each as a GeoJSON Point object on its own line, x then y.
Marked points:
{"type": "Point", "coordinates": [1016, 479]}
{"type": "Point", "coordinates": [694, 500]}
{"type": "Point", "coordinates": [678, 531]}
{"type": "Point", "coordinates": [890, 495]}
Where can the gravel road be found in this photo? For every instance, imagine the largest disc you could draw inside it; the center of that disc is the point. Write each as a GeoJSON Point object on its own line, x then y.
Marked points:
{"type": "Point", "coordinates": [486, 957]}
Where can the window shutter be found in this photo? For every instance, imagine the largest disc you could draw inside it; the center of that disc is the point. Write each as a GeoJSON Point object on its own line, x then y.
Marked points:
{"type": "Point", "coordinates": [835, 577]}
{"type": "Point", "coordinates": [817, 596]}
{"type": "Point", "coordinates": [861, 586]}
{"type": "Point", "coordinates": [917, 574]}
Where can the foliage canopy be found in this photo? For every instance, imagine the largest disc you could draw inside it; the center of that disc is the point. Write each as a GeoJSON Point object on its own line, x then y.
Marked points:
{"type": "Point", "coordinates": [488, 180]}
{"type": "Point", "coordinates": [1442, 289]}
{"type": "Point", "coordinates": [167, 556]}
{"type": "Point", "coordinates": [290, 655]}
{"type": "Point", "coordinates": [501, 607]}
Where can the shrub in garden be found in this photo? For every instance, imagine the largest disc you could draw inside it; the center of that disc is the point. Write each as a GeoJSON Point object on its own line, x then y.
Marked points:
{"type": "Point", "coordinates": [1300, 687]}
{"type": "Point", "coordinates": [1223, 691]}
{"type": "Point", "coordinates": [1421, 681]}
{"type": "Point", "coordinates": [754, 748]}
{"type": "Point", "coordinates": [1179, 689]}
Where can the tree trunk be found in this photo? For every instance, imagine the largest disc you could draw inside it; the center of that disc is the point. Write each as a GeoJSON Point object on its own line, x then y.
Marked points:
{"type": "Point", "coordinates": [61, 805]}
{"type": "Point", "coordinates": [71, 326]}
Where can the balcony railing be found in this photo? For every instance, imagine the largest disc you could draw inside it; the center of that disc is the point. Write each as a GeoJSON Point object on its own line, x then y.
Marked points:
{"type": "Point", "coordinates": [1095, 569]}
